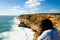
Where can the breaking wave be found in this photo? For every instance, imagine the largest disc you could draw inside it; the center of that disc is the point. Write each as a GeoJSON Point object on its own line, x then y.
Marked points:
{"type": "Point", "coordinates": [17, 33]}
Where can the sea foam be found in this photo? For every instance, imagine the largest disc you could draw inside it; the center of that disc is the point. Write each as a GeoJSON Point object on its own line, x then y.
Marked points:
{"type": "Point", "coordinates": [17, 33]}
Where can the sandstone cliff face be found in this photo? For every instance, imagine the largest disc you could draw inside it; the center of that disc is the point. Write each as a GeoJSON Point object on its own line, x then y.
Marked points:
{"type": "Point", "coordinates": [33, 21]}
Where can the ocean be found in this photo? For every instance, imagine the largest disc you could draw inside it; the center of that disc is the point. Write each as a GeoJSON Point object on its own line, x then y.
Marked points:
{"type": "Point", "coordinates": [5, 23]}
{"type": "Point", "coordinates": [9, 29]}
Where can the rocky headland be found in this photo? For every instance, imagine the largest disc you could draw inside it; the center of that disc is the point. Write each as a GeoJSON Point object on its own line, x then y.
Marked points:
{"type": "Point", "coordinates": [33, 21]}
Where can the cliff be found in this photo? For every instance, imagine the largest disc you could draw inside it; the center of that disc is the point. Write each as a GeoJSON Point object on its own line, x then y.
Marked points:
{"type": "Point", "coordinates": [33, 21]}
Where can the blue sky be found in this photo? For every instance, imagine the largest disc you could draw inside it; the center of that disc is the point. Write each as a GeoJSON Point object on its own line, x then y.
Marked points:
{"type": "Point", "coordinates": [17, 7]}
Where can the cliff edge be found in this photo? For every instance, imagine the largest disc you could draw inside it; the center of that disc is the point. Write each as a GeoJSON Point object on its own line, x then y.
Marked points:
{"type": "Point", "coordinates": [33, 21]}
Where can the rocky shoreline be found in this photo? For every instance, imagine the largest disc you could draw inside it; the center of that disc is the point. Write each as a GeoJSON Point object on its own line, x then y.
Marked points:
{"type": "Point", "coordinates": [33, 21]}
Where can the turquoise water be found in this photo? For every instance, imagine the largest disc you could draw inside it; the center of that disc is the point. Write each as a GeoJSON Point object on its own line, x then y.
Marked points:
{"type": "Point", "coordinates": [9, 29]}
{"type": "Point", "coordinates": [5, 23]}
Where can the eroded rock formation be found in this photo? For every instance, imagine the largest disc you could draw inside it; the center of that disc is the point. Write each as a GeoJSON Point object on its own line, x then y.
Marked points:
{"type": "Point", "coordinates": [33, 21]}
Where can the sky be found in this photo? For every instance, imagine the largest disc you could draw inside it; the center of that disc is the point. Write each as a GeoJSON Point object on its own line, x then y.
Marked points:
{"type": "Point", "coordinates": [17, 7]}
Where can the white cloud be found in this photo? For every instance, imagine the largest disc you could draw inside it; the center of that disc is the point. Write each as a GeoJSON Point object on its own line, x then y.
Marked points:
{"type": "Point", "coordinates": [33, 4]}
{"type": "Point", "coordinates": [53, 11]}
{"type": "Point", "coordinates": [17, 10]}
{"type": "Point", "coordinates": [3, 12]}
{"type": "Point", "coordinates": [14, 12]}
{"type": "Point", "coordinates": [20, 12]}
{"type": "Point", "coordinates": [14, 8]}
